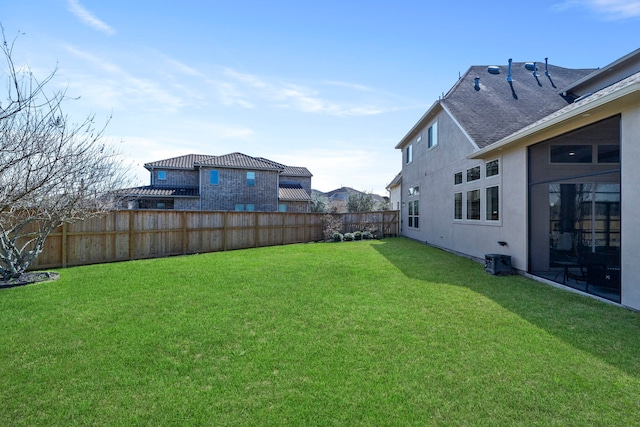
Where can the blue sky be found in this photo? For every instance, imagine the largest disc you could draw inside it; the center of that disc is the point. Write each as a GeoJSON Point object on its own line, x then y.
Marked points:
{"type": "Point", "coordinates": [331, 85]}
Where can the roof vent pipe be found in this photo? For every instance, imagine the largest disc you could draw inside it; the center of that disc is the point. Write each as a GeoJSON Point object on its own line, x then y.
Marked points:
{"type": "Point", "coordinates": [476, 83]}
{"type": "Point", "coordinates": [546, 67]}
{"type": "Point", "coordinates": [509, 78]}
{"type": "Point", "coordinates": [535, 69]}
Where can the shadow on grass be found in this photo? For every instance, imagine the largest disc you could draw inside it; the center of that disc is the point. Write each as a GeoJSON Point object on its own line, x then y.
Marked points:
{"type": "Point", "coordinates": [606, 331]}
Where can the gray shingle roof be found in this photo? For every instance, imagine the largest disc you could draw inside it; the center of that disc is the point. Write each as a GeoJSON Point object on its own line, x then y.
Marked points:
{"type": "Point", "coordinates": [151, 191]}
{"type": "Point", "coordinates": [584, 101]}
{"type": "Point", "coordinates": [293, 192]}
{"type": "Point", "coordinates": [498, 108]}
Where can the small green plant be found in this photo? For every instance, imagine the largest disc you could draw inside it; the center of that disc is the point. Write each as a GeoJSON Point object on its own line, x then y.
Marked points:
{"type": "Point", "coordinates": [367, 235]}
{"type": "Point", "coordinates": [357, 235]}
{"type": "Point", "coordinates": [338, 237]}
{"type": "Point", "coordinates": [348, 237]}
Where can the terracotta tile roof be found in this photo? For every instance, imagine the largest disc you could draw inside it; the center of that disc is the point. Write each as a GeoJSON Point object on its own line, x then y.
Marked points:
{"type": "Point", "coordinates": [240, 161]}
{"type": "Point", "coordinates": [289, 170]}
{"type": "Point", "coordinates": [296, 171]}
{"type": "Point", "coordinates": [152, 191]}
{"type": "Point", "coordinates": [181, 162]}
{"type": "Point", "coordinates": [293, 192]}
{"type": "Point", "coordinates": [232, 160]}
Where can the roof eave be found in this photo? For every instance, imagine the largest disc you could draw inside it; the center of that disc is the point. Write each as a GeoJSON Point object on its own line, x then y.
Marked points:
{"type": "Point", "coordinates": [602, 70]}
{"type": "Point", "coordinates": [431, 112]}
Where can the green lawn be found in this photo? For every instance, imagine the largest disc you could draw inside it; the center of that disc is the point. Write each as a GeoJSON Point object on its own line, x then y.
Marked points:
{"type": "Point", "coordinates": [374, 333]}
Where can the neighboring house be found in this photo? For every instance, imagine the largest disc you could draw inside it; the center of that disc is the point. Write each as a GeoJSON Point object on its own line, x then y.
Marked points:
{"type": "Point", "coordinates": [232, 182]}
{"type": "Point", "coordinates": [339, 198]}
{"type": "Point", "coordinates": [537, 162]}
{"type": "Point", "coordinates": [395, 192]}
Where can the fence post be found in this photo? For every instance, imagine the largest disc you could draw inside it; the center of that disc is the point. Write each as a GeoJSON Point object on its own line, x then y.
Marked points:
{"type": "Point", "coordinates": [282, 228]}
{"type": "Point", "coordinates": [65, 256]}
{"type": "Point", "coordinates": [185, 244]}
{"type": "Point", "coordinates": [131, 235]}
{"type": "Point", "coordinates": [255, 229]}
{"type": "Point", "coordinates": [224, 230]}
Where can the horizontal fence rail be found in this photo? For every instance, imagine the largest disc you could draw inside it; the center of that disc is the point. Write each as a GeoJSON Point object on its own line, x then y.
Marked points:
{"type": "Point", "coordinates": [139, 234]}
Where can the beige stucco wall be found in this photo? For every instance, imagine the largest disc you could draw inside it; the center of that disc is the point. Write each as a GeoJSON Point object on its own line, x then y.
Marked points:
{"type": "Point", "coordinates": [433, 171]}
{"type": "Point", "coordinates": [630, 154]}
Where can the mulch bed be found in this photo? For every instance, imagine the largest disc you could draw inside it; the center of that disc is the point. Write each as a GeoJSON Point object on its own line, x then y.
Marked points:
{"type": "Point", "coordinates": [29, 278]}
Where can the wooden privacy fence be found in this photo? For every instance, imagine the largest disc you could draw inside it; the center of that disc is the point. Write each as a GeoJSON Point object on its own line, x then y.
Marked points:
{"type": "Point", "coordinates": [138, 234]}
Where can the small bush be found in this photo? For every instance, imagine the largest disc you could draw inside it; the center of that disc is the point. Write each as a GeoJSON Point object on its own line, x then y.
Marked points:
{"type": "Point", "coordinates": [338, 237]}
{"type": "Point", "coordinates": [367, 235]}
{"type": "Point", "coordinates": [348, 237]}
{"type": "Point", "coordinates": [332, 225]}
{"type": "Point", "coordinates": [357, 235]}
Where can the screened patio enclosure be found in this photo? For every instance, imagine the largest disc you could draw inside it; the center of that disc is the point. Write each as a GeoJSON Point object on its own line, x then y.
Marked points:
{"type": "Point", "coordinates": [574, 209]}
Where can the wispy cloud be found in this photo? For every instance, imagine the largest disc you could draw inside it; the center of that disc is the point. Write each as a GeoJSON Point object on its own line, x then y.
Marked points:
{"type": "Point", "coordinates": [88, 18]}
{"type": "Point", "coordinates": [116, 86]}
{"type": "Point", "coordinates": [247, 90]}
{"type": "Point", "coordinates": [612, 10]}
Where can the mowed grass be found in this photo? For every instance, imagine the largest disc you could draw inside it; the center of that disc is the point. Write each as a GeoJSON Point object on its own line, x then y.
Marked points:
{"type": "Point", "coordinates": [375, 333]}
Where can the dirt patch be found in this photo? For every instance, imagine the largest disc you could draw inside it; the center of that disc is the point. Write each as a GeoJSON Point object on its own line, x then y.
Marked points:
{"type": "Point", "coordinates": [29, 278]}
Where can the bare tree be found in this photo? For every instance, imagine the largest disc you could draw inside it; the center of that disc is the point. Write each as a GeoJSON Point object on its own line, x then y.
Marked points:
{"type": "Point", "coordinates": [52, 171]}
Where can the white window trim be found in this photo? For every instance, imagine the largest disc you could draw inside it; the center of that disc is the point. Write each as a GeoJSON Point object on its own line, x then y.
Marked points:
{"type": "Point", "coordinates": [499, 168]}
{"type": "Point", "coordinates": [486, 202]}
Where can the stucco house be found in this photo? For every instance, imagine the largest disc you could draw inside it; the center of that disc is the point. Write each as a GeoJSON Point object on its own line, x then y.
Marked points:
{"type": "Point", "coordinates": [537, 162]}
{"type": "Point", "coordinates": [231, 182]}
{"type": "Point", "coordinates": [395, 192]}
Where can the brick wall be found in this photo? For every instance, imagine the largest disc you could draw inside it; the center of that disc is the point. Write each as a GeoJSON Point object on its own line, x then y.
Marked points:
{"type": "Point", "coordinates": [186, 204]}
{"type": "Point", "coordinates": [176, 177]}
{"type": "Point", "coordinates": [297, 207]}
{"type": "Point", "coordinates": [232, 190]}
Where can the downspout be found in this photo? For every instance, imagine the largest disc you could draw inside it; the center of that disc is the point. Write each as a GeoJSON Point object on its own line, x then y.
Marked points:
{"type": "Point", "coordinates": [278, 192]}
{"type": "Point", "coordinates": [200, 187]}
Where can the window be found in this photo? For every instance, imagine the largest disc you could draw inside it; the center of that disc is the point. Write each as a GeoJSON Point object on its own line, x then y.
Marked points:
{"type": "Point", "coordinates": [473, 204]}
{"type": "Point", "coordinates": [239, 207]}
{"type": "Point", "coordinates": [414, 213]}
{"type": "Point", "coordinates": [282, 207]}
{"type": "Point", "coordinates": [457, 206]}
{"type": "Point", "coordinates": [213, 177]}
{"type": "Point", "coordinates": [457, 178]}
{"type": "Point", "coordinates": [162, 175]}
{"type": "Point", "coordinates": [433, 135]}
{"type": "Point", "coordinates": [414, 191]}
{"type": "Point", "coordinates": [492, 204]}
{"type": "Point", "coordinates": [250, 207]}
{"type": "Point", "coordinates": [492, 168]}
{"type": "Point", "coordinates": [409, 153]}
{"type": "Point", "coordinates": [473, 174]}
{"type": "Point", "coordinates": [608, 154]}
{"type": "Point", "coordinates": [571, 154]}
{"type": "Point", "coordinates": [418, 139]}
{"type": "Point", "coordinates": [251, 179]}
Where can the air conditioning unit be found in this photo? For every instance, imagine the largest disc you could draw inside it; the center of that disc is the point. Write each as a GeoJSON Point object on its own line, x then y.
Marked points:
{"type": "Point", "coordinates": [497, 264]}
